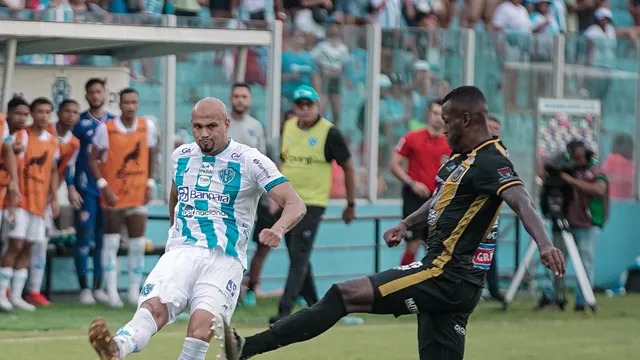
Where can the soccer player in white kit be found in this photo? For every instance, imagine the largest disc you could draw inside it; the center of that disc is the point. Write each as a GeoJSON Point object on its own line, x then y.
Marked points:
{"type": "Point", "coordinates": [216, 186]}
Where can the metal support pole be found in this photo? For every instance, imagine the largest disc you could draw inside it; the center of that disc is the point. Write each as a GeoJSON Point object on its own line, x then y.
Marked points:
{"type": "Point", "coordinates": [636, 150]}
{"type": "Point", "coordinates": [376, 245]}
{"type": "Point", "coordinates": [9, 68]}
{"type": "Point", "coordinates": [372, 109]}
{"type": "Point", "coordinates": [558, 66]}
{"type": "Point", "coordinates": [241, 64]}
{"type": "Point", "coordinates": [274, 79]}
{"type": "Point", "coordinates": [169, 111]}
{"type": "Point", "coordinates": [469, 57]}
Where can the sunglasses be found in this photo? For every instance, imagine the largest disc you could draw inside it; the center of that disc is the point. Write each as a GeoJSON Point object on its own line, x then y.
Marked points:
{"type": "Point", "coordinates": [305, 103]}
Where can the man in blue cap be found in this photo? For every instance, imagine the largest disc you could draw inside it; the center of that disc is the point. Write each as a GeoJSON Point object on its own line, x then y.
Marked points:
{"type": "Point", "coordinates": [309, 144]}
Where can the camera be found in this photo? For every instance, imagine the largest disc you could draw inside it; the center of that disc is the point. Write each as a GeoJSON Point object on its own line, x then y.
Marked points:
{"type": "Point", "coordinates": [556, 194]}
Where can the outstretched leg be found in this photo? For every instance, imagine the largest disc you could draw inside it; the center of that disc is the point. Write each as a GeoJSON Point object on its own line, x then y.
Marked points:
{"type": "Point", "coordinates": [341, 299]}
{"type": "Point", "coordinates": [132, 337]}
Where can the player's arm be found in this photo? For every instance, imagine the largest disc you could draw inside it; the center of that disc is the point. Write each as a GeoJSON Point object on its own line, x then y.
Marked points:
{"type": "Point", "coordinates": [419, 218]}
{"type": "Point", "coordinates": [99, 148]}
{"type": "Point", "coordinates": [293, 208]}
{"type": "Point", "coordinates": [152, 142]}
{"type": "Point", "coordinates": [173, 201]}
{"type": "Point", "coordinates": [9, 158]}
{"type": "Point", "coordinates": [522, 204]}
{"type": "Point", "coordinates": [336, 149]}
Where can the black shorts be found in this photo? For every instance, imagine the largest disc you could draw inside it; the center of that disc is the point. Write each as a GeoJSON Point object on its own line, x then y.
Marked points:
{"type": "Point", "coordinates": [264, 220]}
{"type": "Point", "coordinates": [443, 305]}
{"type": "Point", "coordinates": [410, 203]}
{"type": "Point", "coordinates": [220, 5]}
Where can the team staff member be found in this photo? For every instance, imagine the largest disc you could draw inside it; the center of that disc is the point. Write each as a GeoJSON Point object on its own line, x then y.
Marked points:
{"type": "Point", "coordinates": [247, 130]}
{"type": "Point", "coordinates": [88, 219]}
{"type": "Point", "coordinates": [309, 144]}
{"type": "Point", "coordinates": [122, 159]}
{"type": "Point", "coordinates": [445, 287]}
{"type": "Point", "coordinates": [68, 115]}
{"type": "Point", "coordinates": [38, 179]}
{"type": "Point", "coordinates": [18, 111]}
{"type": "Point", "coordinates": [421, 153]}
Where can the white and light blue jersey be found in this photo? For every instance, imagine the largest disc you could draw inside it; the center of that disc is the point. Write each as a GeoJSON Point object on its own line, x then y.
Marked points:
{"type": "Point", "coordinates": [218, 195]}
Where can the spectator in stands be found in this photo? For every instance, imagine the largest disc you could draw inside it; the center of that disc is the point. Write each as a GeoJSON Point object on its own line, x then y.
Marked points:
{"type": "Point", "coordinates": [222, 9]}
{"type": "Point", "coordinates": [511, 20]}
{"type": "Point", "coordinates": [585, 11]}
{"type": "Point", "coordinates": [388, 13]}
{"type": "Point", "coordinates": [298, 67]}
{"type": "Point", "coordinates": [189, 9]}
{"type": "Point", "coordinates": [310, 16]}
{"type": "Point", "coordinates": [331, 56]}
{"type": "Point", "coordinates": [634, 10]}
{"type": "Point", "coordinates": [620, 168]}
{"type": "Point", "coordinates": [475, 10]}
{"type": "Point", "coordinates": [350, 12]}
{"type": "Point", "coordinates": [415, 162]}
{"type": "Point", "coordinates": [421, 93]}
{"type": "Point", "coordinates": [309, 144]}
{"type": "Point", "coordinates": [601, 51]}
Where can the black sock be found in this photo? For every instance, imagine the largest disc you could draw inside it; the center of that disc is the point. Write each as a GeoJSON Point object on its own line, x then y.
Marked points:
{"type": "Point", "coordinates": [82, 280]}
{"type": "Point", "coordinates": [300, 326]}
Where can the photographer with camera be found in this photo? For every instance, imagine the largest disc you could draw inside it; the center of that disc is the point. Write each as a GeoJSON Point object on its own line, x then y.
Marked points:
{"type": "Point", "coordinates": [575, 197]}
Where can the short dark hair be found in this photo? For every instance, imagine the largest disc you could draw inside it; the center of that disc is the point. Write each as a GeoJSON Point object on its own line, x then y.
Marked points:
{"type": "Point", "coordinates": [94, 81]}
{"type": "Point", "coordinates": [494, 119]}
{"type": "Point", "coordinates": [66, 102]}
{"type": "Point", "coordinates": [434, 102]}
{"type": "Point", "coordinates": [623, 145]}
{"type": "Point", "coordinates": [241, 85]}
{"type": "Point", "coordinates": [16, 101]}
{"type": "Point", "coordinates": [40, 101]}
{"type": "Point", "coordinates": [128, 90]}
{"type": "Point", "coordinates": [468, 99]}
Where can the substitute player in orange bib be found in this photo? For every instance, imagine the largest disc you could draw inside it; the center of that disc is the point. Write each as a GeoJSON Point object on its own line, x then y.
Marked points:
{"type": "Point", "coordinates": [122, 160]}
{"type": "Point", "coordinates": [9, 188]}
{"type": "Point", "coordinates": [68, 116]}
{"type": "Point", "coordinates": [38, 181]}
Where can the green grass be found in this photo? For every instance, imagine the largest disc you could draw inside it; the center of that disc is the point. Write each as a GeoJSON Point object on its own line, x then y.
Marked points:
{"type": "Point", "coordinates": [58, 333]}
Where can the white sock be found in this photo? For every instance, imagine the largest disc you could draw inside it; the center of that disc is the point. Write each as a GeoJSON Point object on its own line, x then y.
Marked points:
{"type": "Point", "coordinates": [5, 280]}
{"type": "Point", "coordinates": [136, 262]}
{"type": "Point", "coordinates": [36, 270]}
{"type": "Point", "coordinates": [193, 349]}
{"type": "Point", "coordinates": [18, 282]}
{"type": "Point", "coordinates": [135, 335]}
{"type": "Point", "coordinates": [111, 243]}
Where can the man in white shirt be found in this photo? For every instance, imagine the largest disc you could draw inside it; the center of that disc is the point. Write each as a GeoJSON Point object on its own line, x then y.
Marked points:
{"type": "Point", "coordinates": [216, 186]}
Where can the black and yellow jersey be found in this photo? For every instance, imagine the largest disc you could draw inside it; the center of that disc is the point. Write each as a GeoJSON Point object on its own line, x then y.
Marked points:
{"type": "Point", "coordinates": [464, 213]}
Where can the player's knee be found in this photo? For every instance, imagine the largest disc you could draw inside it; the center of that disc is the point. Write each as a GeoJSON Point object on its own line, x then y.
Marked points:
{"type": "Point", "coordinates": [158, 310]}
{"type": "Point", "coordinates": [202, 333]}
{"type": "Point", "coordinates": [357, 295]}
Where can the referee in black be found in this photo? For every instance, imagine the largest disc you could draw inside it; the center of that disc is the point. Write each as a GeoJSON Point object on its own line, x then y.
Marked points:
{"type": "Point", "coordinates": [445, 287]}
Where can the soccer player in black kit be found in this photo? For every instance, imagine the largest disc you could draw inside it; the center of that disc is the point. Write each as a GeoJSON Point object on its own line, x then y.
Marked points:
{"type": "Point", "coordinates": [444, 288]}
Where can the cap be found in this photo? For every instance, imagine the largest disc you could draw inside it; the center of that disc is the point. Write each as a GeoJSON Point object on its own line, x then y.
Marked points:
{"type": "Point", "coordinates": [383, 81]}
{"type": "Point", "coordinates": [305, 92]}
{"type": "Point", "coordinates": [421, 65]}
{"type": "Point", "coordinates": [603, 13]}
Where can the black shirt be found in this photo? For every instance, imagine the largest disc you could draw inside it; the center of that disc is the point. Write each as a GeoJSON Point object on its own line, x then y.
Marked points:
{"type": "Point", "coordinates": [464, 214]}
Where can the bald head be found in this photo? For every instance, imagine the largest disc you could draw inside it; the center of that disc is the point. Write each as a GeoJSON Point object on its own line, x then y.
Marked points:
{"type": "Point", "coordinates": [209, 107]}
{"type": "Point", "coordinates": [210, 125]}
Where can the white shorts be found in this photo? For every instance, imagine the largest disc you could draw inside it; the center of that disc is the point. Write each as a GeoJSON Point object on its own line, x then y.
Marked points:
{"type": "Point", "coordinates": [195, 276]}
{"type": "Point", "coordinates": [27, 226]}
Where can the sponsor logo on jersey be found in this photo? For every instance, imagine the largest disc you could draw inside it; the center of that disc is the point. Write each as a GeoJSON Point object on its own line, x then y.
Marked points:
{"type": "Point", "coordinates": [263, 169]}
{"type": "Point", "coordinates": [185, 194]}
{"type": "Point", "coordinates": [191, 212]}
{"type": "Point", "coordinates": [231, 288]}
{"type": "Point", "coordinates": [186, 150]}
{"type": "Point", "coordinates": [413, 265]}
{"type": "Point", "coordinates": [411, 305]}
{"type": "Point", "coordinates": [484, 256]}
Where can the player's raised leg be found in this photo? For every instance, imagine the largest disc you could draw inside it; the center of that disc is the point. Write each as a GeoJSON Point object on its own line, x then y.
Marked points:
{"type": "Point", "coordinates": [162, 298]}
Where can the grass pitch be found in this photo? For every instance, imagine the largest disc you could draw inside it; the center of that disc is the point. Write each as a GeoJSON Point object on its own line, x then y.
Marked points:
{"type": "Point", "coordinates": [59, 333]}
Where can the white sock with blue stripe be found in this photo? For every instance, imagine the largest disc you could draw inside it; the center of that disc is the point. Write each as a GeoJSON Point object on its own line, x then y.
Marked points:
{"type": "Point", "coordinates": [135, 335]}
